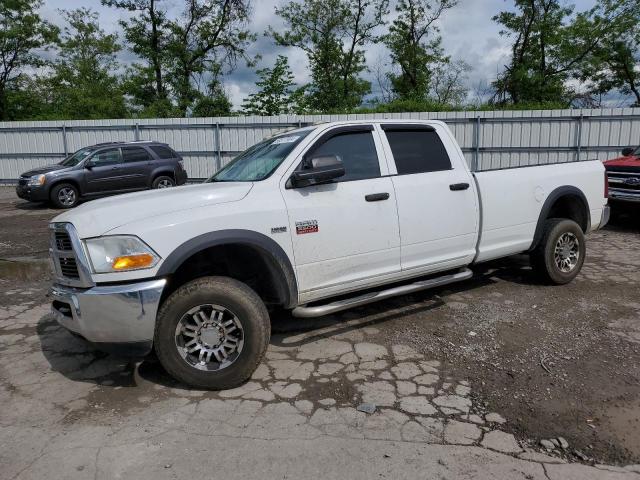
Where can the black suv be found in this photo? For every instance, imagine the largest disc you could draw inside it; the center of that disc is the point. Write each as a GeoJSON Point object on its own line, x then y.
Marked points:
{"type": "Point", "coordinates": [103, 169]}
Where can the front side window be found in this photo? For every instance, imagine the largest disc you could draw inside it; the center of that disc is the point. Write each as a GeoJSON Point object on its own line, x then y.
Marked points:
{"type": "Point", "coordinates": [261, 160]}
{"type": "Point", "coordinates": [417, 151]}
{"type": "Point", "coordinates": [106, 157]}
{"type": "Point", "coordinates": [356, 150]}
{"type": "Point", "coordinates": [135, 154]}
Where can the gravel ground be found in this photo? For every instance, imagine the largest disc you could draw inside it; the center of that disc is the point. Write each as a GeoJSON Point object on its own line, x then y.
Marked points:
{"type": "Point", "coordinates": [553, 361]}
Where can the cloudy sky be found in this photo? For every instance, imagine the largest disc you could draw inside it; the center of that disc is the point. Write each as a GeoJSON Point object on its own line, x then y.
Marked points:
{"type": "Point", "coordinates": [468, 34]}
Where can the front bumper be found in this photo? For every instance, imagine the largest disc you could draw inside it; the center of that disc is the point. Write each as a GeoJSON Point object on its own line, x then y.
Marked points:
{"type": "Point", "coordinates": [117, 318]}
{"type": "Point", "coordinates": [32, 193]}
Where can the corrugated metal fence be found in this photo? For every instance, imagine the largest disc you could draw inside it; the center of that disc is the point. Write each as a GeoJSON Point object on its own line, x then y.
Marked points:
{"type": "Point", "coordinates": [490, 140]}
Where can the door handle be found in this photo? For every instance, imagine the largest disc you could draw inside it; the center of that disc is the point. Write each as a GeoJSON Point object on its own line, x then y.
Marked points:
{"type": "Point", "coordinates": [376, 197]}
{"type": "Point", "coordinates": [458, 186]}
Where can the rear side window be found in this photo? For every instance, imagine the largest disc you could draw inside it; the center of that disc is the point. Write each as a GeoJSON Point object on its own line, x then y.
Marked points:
{"type": "Point", "coordinates": [357, 152]}
{"type": "Point", "coordinates": [135, 154]}
{"type": "Point", "coordinates": [417, 151]}
{"type": "Point", "coordinates": [163, 152]}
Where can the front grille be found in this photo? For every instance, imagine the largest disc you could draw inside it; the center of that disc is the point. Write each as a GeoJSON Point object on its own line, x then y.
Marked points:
{"type": "Point", "coordinates": [63, 241]}
{"type": "Point", "coordinates": [23, 181]}
{"type": "Point", "coordinates": [69, 266]}
{"type": "Point", "coordinates": [624, 180]}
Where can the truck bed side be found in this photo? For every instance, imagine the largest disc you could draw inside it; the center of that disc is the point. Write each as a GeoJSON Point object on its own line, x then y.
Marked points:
{"type": "Point", "coordinates": [512, 200]}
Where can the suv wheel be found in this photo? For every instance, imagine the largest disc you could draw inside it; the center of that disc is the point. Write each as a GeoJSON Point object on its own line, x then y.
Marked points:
{"type": "Point", "coordinates": [559, 256]}
{"type": "Point", "coordinates": [212, 333]}
{"type": "Point", "coordinates": [65, 195]}
{"type": "Point", "coordinates": [163, 182]}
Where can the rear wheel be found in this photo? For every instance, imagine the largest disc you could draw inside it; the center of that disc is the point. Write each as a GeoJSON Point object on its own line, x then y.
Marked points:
{"type": "Point", "coordinates": [64, 195]}
{"type": "Point", "coordinates": [212, 333]}
{"type": "Point", "coordinates": [559, 256]}
{"type": "Point", "coordinates": [163, 182]}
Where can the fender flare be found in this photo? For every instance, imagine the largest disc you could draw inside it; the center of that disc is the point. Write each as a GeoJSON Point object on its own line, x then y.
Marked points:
{"type": "Point", "coordinates": [565, 190]}
{"type": "Point", "coordinates": [277, 260]}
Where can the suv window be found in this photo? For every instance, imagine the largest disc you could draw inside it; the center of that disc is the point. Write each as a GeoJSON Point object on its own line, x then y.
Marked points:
{"type": "Point", "coordinates": [357, 151]}
{"type": "Point", "coordinates": [163, 152]}
{"type": "Point", "coordinates": [135, 154]}
{"type": "Point", "coordinates": [417, 151]}
{"type": "Point", "coordinates": [106, 157]}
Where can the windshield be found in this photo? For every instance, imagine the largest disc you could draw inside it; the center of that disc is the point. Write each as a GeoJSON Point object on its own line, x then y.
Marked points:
{"type": "Point", "coordinates": [260, 161]}
{"type": "Point", "coordinates": [637, 152]}
{"type": "Point", "coordinates": [76, 158]}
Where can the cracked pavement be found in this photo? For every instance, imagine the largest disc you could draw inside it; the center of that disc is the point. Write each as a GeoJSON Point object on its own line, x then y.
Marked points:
{"type": "Point", "coordinates": [71, 412]}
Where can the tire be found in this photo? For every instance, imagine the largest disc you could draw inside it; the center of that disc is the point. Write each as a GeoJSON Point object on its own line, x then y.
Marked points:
{"type": "Point", "coordinates": [64, 195]}
{"type": "Point", "coordinates": [561, 234]}
{"type": "Point", "coordinates": [163, 182]}
{"type": "Point", "coordinates": [236, 301]}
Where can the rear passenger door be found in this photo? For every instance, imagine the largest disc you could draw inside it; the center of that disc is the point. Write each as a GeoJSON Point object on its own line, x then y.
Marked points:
{"type": "Point", "coordinates": [136, 168]}
{"type": "Point", "coordinates": [437, 201]}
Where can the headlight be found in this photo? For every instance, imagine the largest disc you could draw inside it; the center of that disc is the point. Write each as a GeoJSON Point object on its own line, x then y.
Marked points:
{"type": "Point", "coordinates": [37, 180]}
{"type": "Point", "coordinates": [119, 253]}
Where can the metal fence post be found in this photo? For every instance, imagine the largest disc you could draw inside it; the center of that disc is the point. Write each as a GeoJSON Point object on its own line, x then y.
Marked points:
{"type": "Point", "coordinates": [218, 148]}
{"type": "Point", "coordinates": [476, 144]}
{"type": "Point", "coordinates": [579, 139]}
{"type": "Point", "coordinates": [136, 133]}
{"type": "Point", "coordinates": [64, 140]}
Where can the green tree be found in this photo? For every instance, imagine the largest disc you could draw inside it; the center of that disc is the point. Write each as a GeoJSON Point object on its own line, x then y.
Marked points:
{"type": "Point", "coordinates": [209, 35]}
{"type": "Point", "coordinates": [276, 92]}
{"type": "Point", "coordinates": [214, 102]}
{"type": "Point", "coordinates": [84, 83]}
{"type": "Point", "coordinates": [146, 34]}
{"type": "Point", "coordinates": [22, 32]}
{"type": "Point", "coordinates": [615, 62]}
{"type": "Point", "coordinates": [550, 45]}
{"type": "Point", "coordinates": [415, 46]}
{"type": "Point", "coordinates": [333, 34]}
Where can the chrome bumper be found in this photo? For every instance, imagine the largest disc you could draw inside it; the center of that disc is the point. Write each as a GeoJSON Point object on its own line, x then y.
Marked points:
{"type": "Point", "coordinates": [114, 314]}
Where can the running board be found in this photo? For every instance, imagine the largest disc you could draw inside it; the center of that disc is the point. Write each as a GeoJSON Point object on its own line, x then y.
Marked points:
{"type": "Point", "coordinates": [320, 310]}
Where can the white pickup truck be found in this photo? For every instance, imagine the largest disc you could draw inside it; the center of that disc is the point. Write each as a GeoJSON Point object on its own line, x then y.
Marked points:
{"type": "Point", "coordinates": [315, 220]}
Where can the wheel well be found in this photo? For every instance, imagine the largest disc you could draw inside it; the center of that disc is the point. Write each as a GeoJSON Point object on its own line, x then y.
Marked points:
{"type": "Point", "coordinates": [163, 174]}
{"type": "Point", "coordinates": [246, 263]}
{"type": "Point", "coordinates": [572, 207]}
{"type": "Point", "coordinates": [64, 180]}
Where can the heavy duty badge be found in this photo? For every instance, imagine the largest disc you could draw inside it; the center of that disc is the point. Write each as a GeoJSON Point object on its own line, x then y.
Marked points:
{"type": "Point", "coordinates": [306, 226]}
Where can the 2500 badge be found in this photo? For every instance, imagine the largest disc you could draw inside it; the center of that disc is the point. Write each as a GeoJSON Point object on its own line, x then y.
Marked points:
{"type": "Point", "coordinates": [306, 226]}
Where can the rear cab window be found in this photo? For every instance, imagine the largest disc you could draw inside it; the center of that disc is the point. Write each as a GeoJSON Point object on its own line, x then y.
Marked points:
{"type": "Point", "coordinates": [416, 149]}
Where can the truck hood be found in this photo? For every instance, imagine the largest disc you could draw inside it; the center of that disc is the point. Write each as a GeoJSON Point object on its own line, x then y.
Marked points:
{"type": "Point", "coordinates": [630, 161]}
{"type": "Point", "coordinates": [45, 169]}
{"type": "Point", "coordinates": [98, 217]}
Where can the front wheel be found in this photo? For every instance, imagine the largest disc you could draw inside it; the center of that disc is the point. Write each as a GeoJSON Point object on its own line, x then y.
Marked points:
{"type": "Point", "coordinates": [559, 256]}
{"type": "Point", "coordinates": [212, 333]}
{"type": "Point", "coordinates": [65, 195]}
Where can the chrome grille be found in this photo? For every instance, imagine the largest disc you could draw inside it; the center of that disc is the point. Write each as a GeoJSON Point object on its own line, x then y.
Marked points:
{"type": "Point", "coordinates": [69, 264]}
{"type": "Point", "coordinates": [624, 181]}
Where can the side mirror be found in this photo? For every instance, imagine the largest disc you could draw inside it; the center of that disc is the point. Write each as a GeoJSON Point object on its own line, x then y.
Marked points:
{"type": "Point", "coordinates": [627, 152]}
{"type": "Point", "coordinates": [319, 170]}
{"type": "Point", "coordinates": [89, 164]}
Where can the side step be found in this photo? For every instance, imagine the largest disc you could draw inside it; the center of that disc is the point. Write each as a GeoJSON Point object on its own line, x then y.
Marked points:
{"type": "Point", "coordinates": [320, 310]}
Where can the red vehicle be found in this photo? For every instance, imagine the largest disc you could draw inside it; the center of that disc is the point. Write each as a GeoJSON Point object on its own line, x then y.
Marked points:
{"type": "Point", "coordinates": [624, 178]}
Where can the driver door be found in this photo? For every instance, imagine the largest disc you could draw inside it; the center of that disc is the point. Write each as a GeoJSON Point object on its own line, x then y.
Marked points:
{"type": "Point", "coordinates": [105, 172]}
{"type": "Point", "coordinates": [344, 232]}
